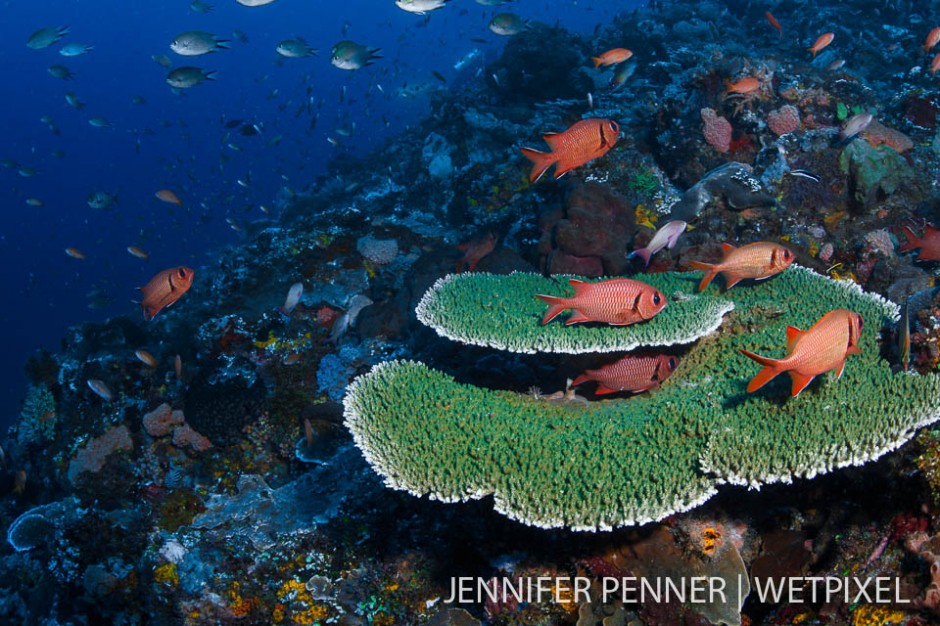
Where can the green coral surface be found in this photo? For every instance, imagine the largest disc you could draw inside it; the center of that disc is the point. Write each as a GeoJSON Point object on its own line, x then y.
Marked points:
{"type": "Point", "coordinates": [502, 312]}
{"type": "Point", "coordinates": [633, 460]}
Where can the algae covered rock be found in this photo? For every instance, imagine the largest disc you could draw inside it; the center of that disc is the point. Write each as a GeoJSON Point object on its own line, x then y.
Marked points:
{"type": "Point", "coordinates": [629, 461]}
{"type": "Point", "coordinates": [874, 173]}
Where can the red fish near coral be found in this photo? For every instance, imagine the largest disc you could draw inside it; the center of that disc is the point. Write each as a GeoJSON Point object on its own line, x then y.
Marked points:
{"type": "Point", "coordinates": [758, 260]}
{"type": "Point", "coordinates": [773, 22]}
{"type": "Point", "coordinates": [164, 289]}
{"type": "Point", "coordinates": [929, 244]}
{"type": "Point", "coordinates": [584, 141]}
{"type": "Point", "coordinates": [631, 373]}
{"type": "Point", "coordinates": [476, 249]}
{"type": "Point", "coordinates": [824, 40]}
{"type": "Point", "coordinates": [617, 301]}
{"type": "Point", "coordinates": [825, 346]}
{"type": "Point", "coordinates": [744, 86]}
{"type": "Point", "coordinates": [612, 57]}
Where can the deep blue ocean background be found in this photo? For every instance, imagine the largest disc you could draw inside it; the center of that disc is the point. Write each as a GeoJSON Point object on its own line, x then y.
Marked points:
{"type": "Point", "coordinates": [179, 141]}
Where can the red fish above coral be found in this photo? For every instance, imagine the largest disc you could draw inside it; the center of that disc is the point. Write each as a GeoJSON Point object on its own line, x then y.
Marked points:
{"type": "Point", "coordinates": [584, 141]}
{"type": "Point", "coordinates": [758, 260]}
{"type": "Point", "coordinates": [164, 289]}
{"type": "Point", "coordinates": [617, 301]}
{"type": "Point", "coordinates": [929, 244]}
{"type": "Point", "coordinates": [630, 373]}
{"type": "Point", "coordinates": [825, 346]}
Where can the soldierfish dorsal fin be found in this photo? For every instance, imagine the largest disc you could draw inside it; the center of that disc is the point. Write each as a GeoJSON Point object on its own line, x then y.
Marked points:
{"type": "Point", "coordinates": [727, 248]}
{"type": "Point", "coordinates": [551, 139]}
{"type": "Point", "coordinates": [578, 285]}
{"type": "Point", "coordinates": [793, 333]}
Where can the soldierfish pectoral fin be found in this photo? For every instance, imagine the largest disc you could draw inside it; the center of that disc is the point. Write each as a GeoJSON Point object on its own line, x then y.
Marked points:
{"type": "Point", "coordinates": [799, 382]}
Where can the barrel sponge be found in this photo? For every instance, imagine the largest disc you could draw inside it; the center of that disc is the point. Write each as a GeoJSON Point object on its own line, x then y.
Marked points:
{"type": "Point", "coordinates": [627, 461]}
{"type": "Point", "coordinates": [501, 311]}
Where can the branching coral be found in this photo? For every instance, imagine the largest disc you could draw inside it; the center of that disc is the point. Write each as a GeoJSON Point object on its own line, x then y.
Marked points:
{"type": "Point", "coordinates": [635, 460]}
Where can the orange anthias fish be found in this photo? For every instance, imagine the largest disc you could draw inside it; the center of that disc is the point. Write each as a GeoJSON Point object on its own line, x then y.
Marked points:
{"type": "Point", "coordinates": [810, 353]}
{"type": "Point", "coordinates": [824, 40]}
{"type": "Point", "coordinates": [773, 22]}
{"type": "Point", "coordinates": [612, 57]}
{"type": "Point", "coordinates": [630, 373]}
{"type": "Point", "coordinates": [584, 141]}
{"type": "Point", "coordinates": [929, 244]}
{"type": "Point", "coordinates": [169, 197]}
{"type": "Point", "coordinates": [745, 85]}
{"type": "Point", "coordinates": [164, 289]}
{"type": "Point", "coordinates": [474, 250]}
{"type": "Point", "coordinates": [617, 301]}
{"type": "Point", "coordinates": [933, 37]}
{"type": "Point", "coordinates": [935, 64]}
{"type": "Point", "coordinates": [758, 260]}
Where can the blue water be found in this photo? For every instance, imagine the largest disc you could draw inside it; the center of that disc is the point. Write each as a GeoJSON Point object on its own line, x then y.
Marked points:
{"type": "Point", "coordinates": [178, 141]}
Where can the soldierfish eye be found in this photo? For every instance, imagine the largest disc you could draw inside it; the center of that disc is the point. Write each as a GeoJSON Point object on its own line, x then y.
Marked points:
{"type": "Point", "coordinates": [182, 272]}
{"type": "Point", "coordinates": [672, 363]}
{"type": "Point", "coordinates": [614, 126]}
{"type": "Point", "coordinates": [861, 323]}
{"type": "Point", "coordinates": [656, 299]}
{"type": "Point", "coordinates": [786, 253]}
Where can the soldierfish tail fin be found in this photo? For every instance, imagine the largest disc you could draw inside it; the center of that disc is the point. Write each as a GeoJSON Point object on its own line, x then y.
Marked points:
{"type": "Point", "coordinates": [813, 50]}
{"type": "Point", "coordinates": [710, 273]}
{"type": "Point", "coordinates": [771, 369]}
{"type": "Point", "coordinates": [643, 253]}
{"type": "Point", "coordinates": [913, 241]}
{"type": "Point", "coordinates": [597, 61]}
{"type": "Point", "coordinates": [541, 161]}
{"type": "Point", "coordinates": [555, 306]}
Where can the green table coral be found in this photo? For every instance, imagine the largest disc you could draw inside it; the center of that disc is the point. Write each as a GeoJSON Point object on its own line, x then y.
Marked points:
{"type": "Point", "coordinates": [502, 312]}
{"type": "Point", "coordinates": [634, 460]}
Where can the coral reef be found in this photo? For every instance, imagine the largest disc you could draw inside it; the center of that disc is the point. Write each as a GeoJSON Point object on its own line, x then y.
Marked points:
{"type": "Point", "coordinates": [430, 435]}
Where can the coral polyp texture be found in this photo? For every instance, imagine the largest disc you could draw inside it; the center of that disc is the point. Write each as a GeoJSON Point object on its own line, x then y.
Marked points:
{"type": "Point", "coordinates": [502, 312]}
{"type": "Point", "coordinates": [628, 461]}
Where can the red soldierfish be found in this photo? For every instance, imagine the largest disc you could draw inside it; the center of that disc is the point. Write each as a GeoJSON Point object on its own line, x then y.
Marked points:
{"type": "Point", "coordinates": [758, 260]}
{"type": "Point", "coordinates": [584, 141]}
{"type": "Point", "coordinates": [810, 353]}
{"type": "Point", "coordinates": [631, 373]}
{"type": "Point", "coordinates": [617, 301]}
{"type": "Point", "coordinates": [164, 289]}
{"type": "Point", "coordinates": [665, 237]}
{"type": "Point", "coordinates": [929, 244]}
